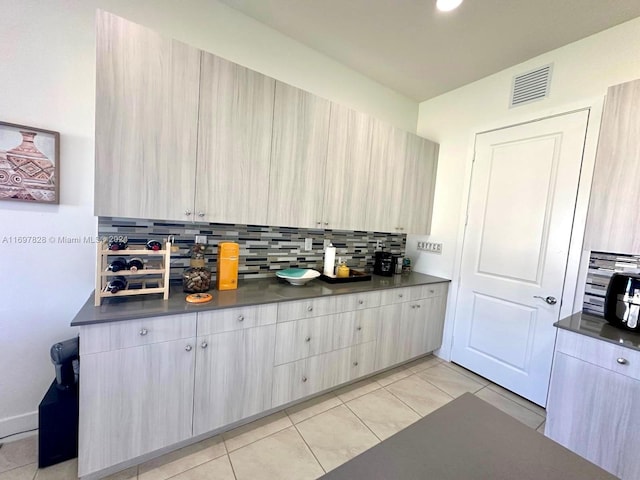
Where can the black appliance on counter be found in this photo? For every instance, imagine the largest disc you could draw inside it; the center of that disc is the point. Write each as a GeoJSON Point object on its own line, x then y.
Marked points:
{"type": "Point", "coordinates": [384, 263]}
{"type": "Point", "coordinates": [622, 302]}
{"type": "Point", "coordinates": [58, 410]}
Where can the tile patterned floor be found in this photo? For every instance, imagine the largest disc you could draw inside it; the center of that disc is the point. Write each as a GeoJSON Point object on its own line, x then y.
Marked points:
{"type": "Point", "coordinates": [306, 440]}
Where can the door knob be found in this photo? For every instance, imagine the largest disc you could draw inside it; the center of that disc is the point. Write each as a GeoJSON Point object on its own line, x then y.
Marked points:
{"type": "Point", "coordinates": [549, 300]}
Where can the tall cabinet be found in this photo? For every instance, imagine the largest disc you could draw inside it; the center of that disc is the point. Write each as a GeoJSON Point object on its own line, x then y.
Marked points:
{"type": "Point", "coordinates": [146, 122]}
{"type": "Point", "coordinates": [298, 158]}
{"type": "Point", "coordinates": [613, 223]}
{"type": "Point", "coordinates": [234, 143]}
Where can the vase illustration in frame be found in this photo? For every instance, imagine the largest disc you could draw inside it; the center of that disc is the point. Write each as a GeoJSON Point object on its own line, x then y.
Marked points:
{"type": "Point", "coordinates": [29, 164]}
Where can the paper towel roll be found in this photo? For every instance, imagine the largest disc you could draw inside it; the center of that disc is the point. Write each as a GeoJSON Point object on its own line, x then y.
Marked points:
{"type": "Point", "coordinates": [329, 259]}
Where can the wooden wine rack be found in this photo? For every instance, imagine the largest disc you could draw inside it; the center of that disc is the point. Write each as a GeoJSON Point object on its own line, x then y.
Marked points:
{"type": "Point", "coordinates": [103, 274]}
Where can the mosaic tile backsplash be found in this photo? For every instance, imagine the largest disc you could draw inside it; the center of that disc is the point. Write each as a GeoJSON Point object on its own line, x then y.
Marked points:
{"type": "Point", "coordinates": [263, 249]}
{"type": "Point", "coordinates": [601, 266]}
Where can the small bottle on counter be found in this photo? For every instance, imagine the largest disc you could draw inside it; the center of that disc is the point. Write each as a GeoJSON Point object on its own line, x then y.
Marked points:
{"type": "Point", "coordinates": [197, 278]}
{"type": "Point", "coordinates": [116, 284]}
{"type": "Point", "coordinates": [117, 265]}
{"type": "Point", "coordinates": [135, 264]}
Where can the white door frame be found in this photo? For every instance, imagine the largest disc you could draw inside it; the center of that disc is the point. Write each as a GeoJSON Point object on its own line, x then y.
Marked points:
{"type": "Point", "coordinates": [577, 264]}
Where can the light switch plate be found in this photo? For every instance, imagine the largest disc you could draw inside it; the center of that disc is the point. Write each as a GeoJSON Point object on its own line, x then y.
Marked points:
{"type": "Point", "coordinates": [431, 247]}
{"type": "Point", "coordinates": [308, 244]}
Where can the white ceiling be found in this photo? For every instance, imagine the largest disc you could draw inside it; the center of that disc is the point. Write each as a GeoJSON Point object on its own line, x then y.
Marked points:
{"type": "Point", "coordinates": [413, 49]}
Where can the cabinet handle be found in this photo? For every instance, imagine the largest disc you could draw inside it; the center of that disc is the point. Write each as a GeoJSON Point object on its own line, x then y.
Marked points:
{"type": "Point", "coordinates": [360, 302]}
{"type": "Point", "coordinates": [418, 306]}
{"type": "Point", "coordinates": [309, 309]}
{"type": "Point", "coordinates": [204, 344]}
{"type": "Point", "coordinates": [326, 223]}
{"type": "Point", "coordinates": [240, 318]}
{"type": "Point", "coordinates": [400, 295]}
{"type": "Point", "coordinates": [201, 214]}
{"type": "Point", "coordinates": [432, 291]}
{"type": "Point", "coordinates": [622, 361]}
{"type": "Point", "coordinates": [355, 364]}
{"type": "Point", "coordinates": [318, 223]}
{"type": "Point", "coordinates": [413, 306]}
{"type": "Point", "coordinates": [358, 328]}
{"type": "Point", "coordinates": [143, 332]}
{"type": "Point", "coordinates": [304, 379]}
{"type": "Point", "coordinates": [187, 213]}
{"type": "Point", "coordinates": [308, 339]}
{"type": "Point", "coordinates": [188, 348]}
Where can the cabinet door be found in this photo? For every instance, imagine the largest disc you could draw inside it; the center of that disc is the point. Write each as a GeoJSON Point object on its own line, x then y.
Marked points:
{"type": "Point", "coordinates": [233, 377]}
{"type": "Point", "coordinates": [353, 328]}
{"type": "Point", "coordinates": [613, 224]}
{"type": "Point", "coordinates": [234, 143]}
{"type": "Point", "coordinates": [347, 172]}
{"type": "Point", "coordinates": [134, 401]}
{"type": "Point", "coordinates": [591, 411]}
{"type": "Point", "coordinates": [418, 185]}
{"type": "Point", "coordinates": [389, 351]}
{"type": "Point", "coordinates": [384, 192]}
{"type": "Point", "coordinates": [436, 310]}
{"type": "Point", "coordinates": [298, 158]}
{"type": "Point", "coordinates": [304, 338]}
{"type": "Point", "coordinates": [146, 122]}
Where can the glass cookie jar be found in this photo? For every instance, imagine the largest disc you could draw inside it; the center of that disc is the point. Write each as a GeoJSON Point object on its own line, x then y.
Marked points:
{"type": "Point", "coordinates": [197, 278]}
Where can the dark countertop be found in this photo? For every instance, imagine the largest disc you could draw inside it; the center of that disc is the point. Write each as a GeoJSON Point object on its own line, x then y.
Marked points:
{"type": "Point", "coordinates": [249, 292]}
{"type": "Point", "coordinates": [468, 439]}
{"type": "Point", "coordinates": [598, 327]}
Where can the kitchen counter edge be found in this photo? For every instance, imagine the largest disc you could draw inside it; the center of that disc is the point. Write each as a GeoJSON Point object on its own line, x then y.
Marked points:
{"type": "Point", "coordinates": [248, 293]}
{"type": "Point", "coordinates": [597, 327]}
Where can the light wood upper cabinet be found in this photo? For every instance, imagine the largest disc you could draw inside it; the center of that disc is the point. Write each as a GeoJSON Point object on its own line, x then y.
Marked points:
{"type": "Point", "coordinates": [347, 171]}
{"type": "Point", "coordinates": [298, 158]}
{"type": "Point", "coordinates": [613, 222]}
{"type": "Point", "coordinates": [418, 187]}
{"type": "Point", "coordinates": [146, 122]}
{"type": "Point", "coordinates": [234, 143]}
{"type": "Point", "coordinates": [384, 193]}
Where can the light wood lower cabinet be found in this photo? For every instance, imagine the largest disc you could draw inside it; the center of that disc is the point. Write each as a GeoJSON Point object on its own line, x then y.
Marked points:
{"type": "Point", "coordinates": [134, 401]}
{"type": "Point", "coordinates": [148, 384]}
{"type": "Point", "coordinates": [592, 407]}
{"type": "Point", "coordinates": [233, 377]}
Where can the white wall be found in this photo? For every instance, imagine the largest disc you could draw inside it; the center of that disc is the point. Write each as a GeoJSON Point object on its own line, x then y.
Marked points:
{"type": "Point", "coordinates": [47, 57]}
{"type": "Point", "coordinates": [582, 72]}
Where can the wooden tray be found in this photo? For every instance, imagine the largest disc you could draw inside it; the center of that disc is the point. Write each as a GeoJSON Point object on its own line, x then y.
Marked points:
{"type": "Point", "coordinates": [354, 276]}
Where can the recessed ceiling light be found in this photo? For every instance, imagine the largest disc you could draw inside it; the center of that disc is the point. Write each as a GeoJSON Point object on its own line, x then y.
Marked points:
{"type": "Point", "coordinates": [448, 5]}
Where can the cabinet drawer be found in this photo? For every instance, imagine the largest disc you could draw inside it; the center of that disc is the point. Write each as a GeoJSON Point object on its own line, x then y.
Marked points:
{"type": "Point", "coordinates": [597, 352]}
{"type": "Point", "coordinates": [353, 328]}
{"type": "Point", "coordinates": [303, 338]}
{"type": "Point", "coordinates": [152, 330]}
{"type": "Point", "coordinates": [300, 379]}
{"type": "Point", "coordinates": [394, 295]}
{"type": "Point", "coordinates": [428, 291]}
{"type": "Point", "coordinates": [132, 333]}
{"type": "Point", "coordinates": [315, 307]}
{"type": "Point", "coordinates": [229, 319]}
{"type": "Point", "coordinates": [366, 300]}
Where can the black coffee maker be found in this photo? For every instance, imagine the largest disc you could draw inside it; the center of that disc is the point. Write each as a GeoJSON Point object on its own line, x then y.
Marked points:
{"type": "Point", "coordinates": [383, 264]}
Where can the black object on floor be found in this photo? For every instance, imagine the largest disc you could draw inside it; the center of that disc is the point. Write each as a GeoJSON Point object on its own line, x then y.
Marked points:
{"type": "Point", "coordinates": [58, 425]}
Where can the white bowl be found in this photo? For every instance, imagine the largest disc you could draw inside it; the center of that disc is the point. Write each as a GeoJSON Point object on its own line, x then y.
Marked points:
{"type": "Point", "coordinates": [298, 276]}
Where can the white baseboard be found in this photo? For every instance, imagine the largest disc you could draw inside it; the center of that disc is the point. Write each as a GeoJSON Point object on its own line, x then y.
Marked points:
{"type": "Point", "coordinates": [17, 424]}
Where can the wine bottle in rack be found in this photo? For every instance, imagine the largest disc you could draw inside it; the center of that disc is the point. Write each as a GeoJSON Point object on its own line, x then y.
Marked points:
{"type": "Point", "coordinates": [117, 265]}
{"type": "Point", "coordinates": [154, 245]}
{"type": "Point", "coordinates": [116, 284]}
{"type": "Point", "coordinates": [135, 264]}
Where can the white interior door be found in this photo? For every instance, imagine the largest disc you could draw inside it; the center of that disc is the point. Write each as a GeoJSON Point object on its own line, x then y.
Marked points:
{"type": "Point", "coordinates": [516, 243]}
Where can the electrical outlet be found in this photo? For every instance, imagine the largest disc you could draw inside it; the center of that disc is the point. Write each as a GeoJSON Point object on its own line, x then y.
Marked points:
{"type": "Point", "coordinates": [431, 247]}
{"type": "Point", "coordinates": [201, 239]}
{"type": "Point", "coordinates": [326, 243]}
{"type": "Point", "coordinates": [308, 244]}
{"type": "Point", "coordinates": [378, 244]}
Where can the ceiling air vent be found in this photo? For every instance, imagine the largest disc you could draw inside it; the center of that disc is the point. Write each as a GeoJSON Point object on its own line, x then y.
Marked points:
{"type": "Point", "coordinates": [531, 86]}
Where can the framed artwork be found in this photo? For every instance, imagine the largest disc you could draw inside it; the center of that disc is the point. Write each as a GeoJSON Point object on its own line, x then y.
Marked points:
{"type": "Point", "coordinates": [29, 164]}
